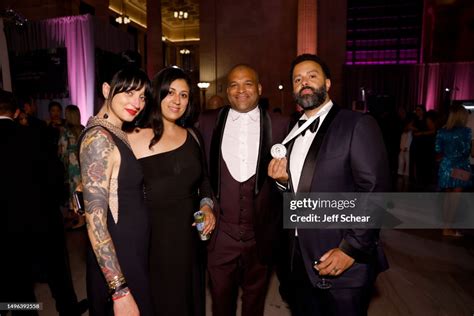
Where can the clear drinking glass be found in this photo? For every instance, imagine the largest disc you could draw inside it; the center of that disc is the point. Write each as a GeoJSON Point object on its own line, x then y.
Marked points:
{"type": "Point", "coordinates": [323, 283]}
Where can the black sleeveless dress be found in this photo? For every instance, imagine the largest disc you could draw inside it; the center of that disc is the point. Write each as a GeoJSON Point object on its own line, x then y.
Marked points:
{"type": "Point", "coordinates": [173, 180]}
{"type": "Point", "coordinates": [130, 236]}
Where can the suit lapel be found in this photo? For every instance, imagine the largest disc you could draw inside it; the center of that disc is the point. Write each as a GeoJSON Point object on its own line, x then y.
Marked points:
{"type": "Point", "coordinates": [263, 158]}
{"type": "Point", "coordinates": [309, 166]}
{"type": "Point", "coordinates": [289, 147]}
{"type": "Point", "coordinates": [215, 151]}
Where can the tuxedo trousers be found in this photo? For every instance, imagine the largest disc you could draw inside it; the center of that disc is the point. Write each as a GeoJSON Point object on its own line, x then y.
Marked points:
{"type": "Point", "coordinates": [232, 264]}
{"type": "Point", "coordinates": [305, 299]}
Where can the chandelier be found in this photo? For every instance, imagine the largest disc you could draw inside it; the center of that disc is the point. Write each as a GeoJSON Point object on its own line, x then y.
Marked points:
{"type": "Point", "coordinates": [181, 14]}
{"type": "Point", "coordinates": [123, 18]}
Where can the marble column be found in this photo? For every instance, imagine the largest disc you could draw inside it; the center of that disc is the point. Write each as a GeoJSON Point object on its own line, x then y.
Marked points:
{"type": "Point", "coordinates": [154, 52]}
{"type": "Point", "coordinates": [307, 27]}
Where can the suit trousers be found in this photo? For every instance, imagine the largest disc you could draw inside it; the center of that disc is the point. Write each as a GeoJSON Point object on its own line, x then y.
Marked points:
{"type": "Point", "coordinates": [233, 263]}
{"type": "Point", "coordinates": [16, 278]}
{"type": "Point", "coordinates": [305, 299]}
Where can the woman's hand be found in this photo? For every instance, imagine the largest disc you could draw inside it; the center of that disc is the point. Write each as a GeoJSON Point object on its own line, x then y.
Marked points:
{"type": "Point", "coordinates": [126, 306]}
{"type": "Point", "coordinates": [209, 219]}
{"type": "Point", "coordinates": [75, 204]}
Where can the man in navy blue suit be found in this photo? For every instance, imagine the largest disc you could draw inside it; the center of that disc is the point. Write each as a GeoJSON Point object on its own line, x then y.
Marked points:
{"type": "Point", "coordinates": [341, 151]}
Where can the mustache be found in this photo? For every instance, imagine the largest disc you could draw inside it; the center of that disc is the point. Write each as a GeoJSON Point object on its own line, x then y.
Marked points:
{"type": "Point", "coordinates": [306, 87]}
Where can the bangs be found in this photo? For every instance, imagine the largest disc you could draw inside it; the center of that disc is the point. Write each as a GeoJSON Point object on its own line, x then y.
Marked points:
{"type": "Point", "coordinates": [130, 79]}
{"type": "Point", "coordinates": [134, 85]}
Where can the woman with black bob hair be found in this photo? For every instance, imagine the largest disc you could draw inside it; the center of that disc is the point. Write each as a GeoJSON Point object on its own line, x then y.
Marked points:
{"type": "Point", "coordinates": [116, 214]}
{"type": "Point", "coordinates": [176, 186]}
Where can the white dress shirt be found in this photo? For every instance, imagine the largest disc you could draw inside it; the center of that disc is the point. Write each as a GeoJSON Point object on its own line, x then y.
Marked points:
{"type": "Point", "coordinates": [240, 143]}
{"type": "Point", "coordinates": [302, 144]}
{"type": "Point", "coordinates": [301, 148]}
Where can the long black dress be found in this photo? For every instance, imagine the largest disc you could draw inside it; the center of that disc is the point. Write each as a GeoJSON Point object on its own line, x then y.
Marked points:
{"type": "Point", "coordinates": [130, 236]}
{"type": "Point", "coordinates": [172, 182]}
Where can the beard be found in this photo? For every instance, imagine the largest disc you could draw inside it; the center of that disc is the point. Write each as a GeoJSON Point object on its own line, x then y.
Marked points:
{"type": "Point", "coordinates": [313, 100]}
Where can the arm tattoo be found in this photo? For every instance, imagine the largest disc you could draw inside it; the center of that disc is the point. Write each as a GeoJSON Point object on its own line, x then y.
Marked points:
{"type": "Point", "coordinates": [96, 169]}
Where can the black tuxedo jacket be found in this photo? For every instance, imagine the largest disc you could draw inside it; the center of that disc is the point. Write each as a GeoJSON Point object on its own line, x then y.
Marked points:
{"type": "Point", "coordinates": [347, 155]}
{"type": "Point", "coordinates": [268, 202]}
{"type": "Point", "coordinates": [19, 182]}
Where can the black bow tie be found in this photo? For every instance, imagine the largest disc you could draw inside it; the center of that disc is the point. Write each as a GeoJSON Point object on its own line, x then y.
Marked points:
{"type": "Point", "coordinates": [312, 127]}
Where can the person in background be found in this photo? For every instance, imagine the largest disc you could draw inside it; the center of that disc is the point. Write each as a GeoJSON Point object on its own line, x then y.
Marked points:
{"type": "Point", "coordinates": [55, 122]}
{"type": "Point", "coordinates": [28, 105]}
{"type": "Point", "coordinates": [22, 169]}
{"type": "Point", "coordinates": [22, 118]}
{"type": "Point", "coordinates": [215, 102]}
{"type": "Point", "coordinates": [55, 111]}
{"type": "Point", "coordinates": [453, 142]}
{"type": "Point", "coordinates": [33, 221]}
{"type": "Point", "coordinates": [116, 215]}
{"type": "Point", "coordinates": [176, 186]}
{"type": "Point", "coordinates": [470, 124]}
{"type": "Point", "coordinates": [52, 256]}
{"type": "Point", "coordinates": [68, 151]}
{"type": "Point", "coordinates": [422, 154]}
{"type": "Point", "coordinates": [404, 156]}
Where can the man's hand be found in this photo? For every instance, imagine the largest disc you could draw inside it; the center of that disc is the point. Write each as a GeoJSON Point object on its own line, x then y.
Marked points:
{"type": "Point", "coordinates": [277, 170]}
{"type": "Point", "coordinates": [126, 306]}
{"type": "Point", "coordinates": [334, 262]}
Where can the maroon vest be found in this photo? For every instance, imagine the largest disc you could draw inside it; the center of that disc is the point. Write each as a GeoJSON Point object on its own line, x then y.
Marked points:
{"type": "Point", "coordinates": [237, 205]}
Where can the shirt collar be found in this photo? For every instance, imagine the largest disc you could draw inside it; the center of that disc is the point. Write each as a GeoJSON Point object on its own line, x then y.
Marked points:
{"type": "Point", "coordinates": [253, 114]}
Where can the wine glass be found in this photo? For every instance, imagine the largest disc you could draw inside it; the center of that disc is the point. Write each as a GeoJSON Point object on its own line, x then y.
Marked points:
{"type": "Point", "coordinates": [323, 283]}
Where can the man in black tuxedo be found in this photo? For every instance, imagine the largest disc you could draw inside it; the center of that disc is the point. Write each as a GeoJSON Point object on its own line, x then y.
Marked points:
{"type": "Point", "coordinates": [342, 151]}
{"type": "Point", "coordinates": [31, 109]}
{"type": "Point", "coordinates": [20, 160]}
{"type": "Point", "coordinates": [237, 140]}
{"type": "Point", "coordinates": [29, 215]}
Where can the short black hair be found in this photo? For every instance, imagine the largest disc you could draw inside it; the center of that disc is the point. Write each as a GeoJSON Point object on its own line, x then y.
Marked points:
{"type": "Point", "coordinates": [311, 57]}
{"type": "Point", "coordinates": [24, 99]}
{"type": "Point", "coordinates": [8, 103]}
{"type": "Point", "coordinates": [257, 77]}
{"type": "Point", "coordinates": [53, 104]}
{"type": "Point", "coordinates": [127, 79]}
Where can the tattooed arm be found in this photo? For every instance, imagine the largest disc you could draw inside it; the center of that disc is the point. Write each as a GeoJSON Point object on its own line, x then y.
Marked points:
{"type": "Point", "coordinates": [99, 159]}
